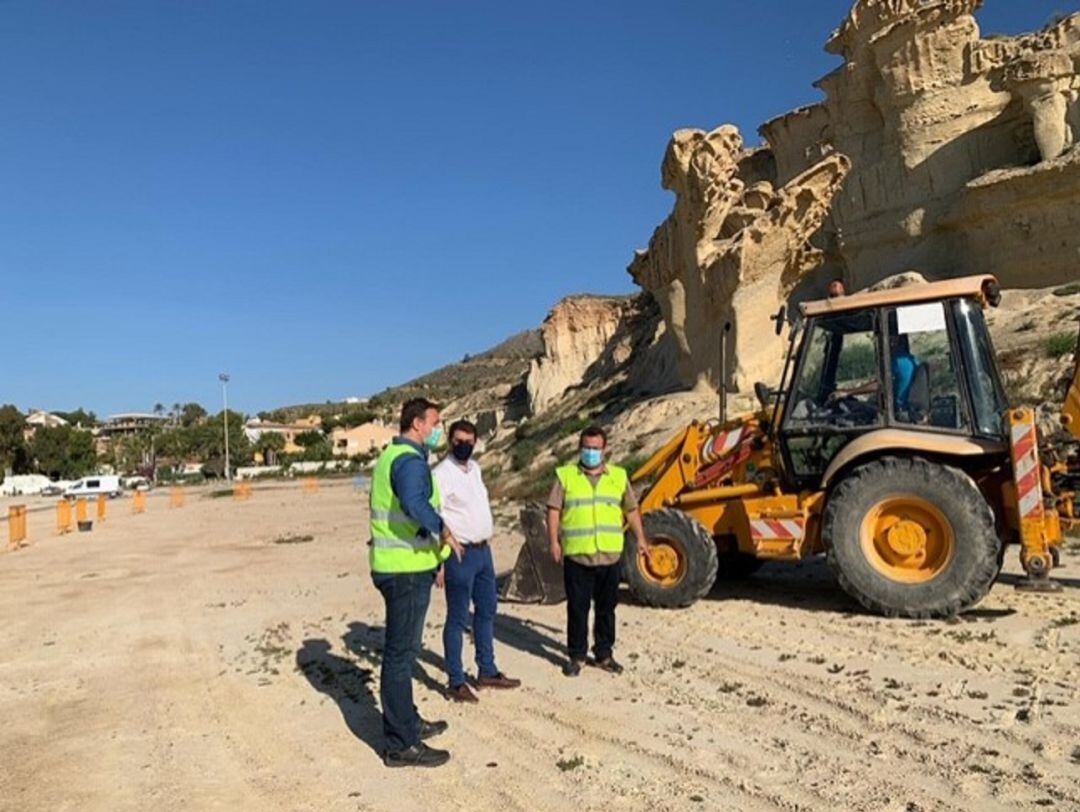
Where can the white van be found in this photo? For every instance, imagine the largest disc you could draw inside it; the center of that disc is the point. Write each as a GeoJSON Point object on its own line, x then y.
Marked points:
{"type": "Point", "coordinates": [94, 486]}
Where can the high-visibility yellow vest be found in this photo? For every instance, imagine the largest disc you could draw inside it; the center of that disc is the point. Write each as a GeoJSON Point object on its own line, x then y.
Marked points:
{"type": "Point", "coordinates": [396, 543]}
{"type": "Point", "coordinates": [592, 518]}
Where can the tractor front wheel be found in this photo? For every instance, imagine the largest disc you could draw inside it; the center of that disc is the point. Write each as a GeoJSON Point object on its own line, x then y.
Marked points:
{"type": "Point", "coordinates": [911, 538]}
{"type": "Point", "coordinates": [682, 562]}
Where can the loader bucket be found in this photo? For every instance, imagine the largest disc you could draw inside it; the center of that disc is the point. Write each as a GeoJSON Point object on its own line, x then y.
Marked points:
{"type": "Point", "coordinates": [536, 578]}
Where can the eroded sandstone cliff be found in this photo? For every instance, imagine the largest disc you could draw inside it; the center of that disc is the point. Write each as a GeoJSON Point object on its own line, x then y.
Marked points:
{"type": "Point", "coordinates": [613, 339]}
{"type": "Point", "coordinates": [935, 149]}
{"type": "Point", "coordinates": [931, 114]}
{"type": "Point", "coordinates": [733, 249]}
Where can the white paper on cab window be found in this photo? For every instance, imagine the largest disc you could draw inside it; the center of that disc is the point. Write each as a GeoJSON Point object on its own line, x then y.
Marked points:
{"type": "Point", "coordinates": [923, 318]}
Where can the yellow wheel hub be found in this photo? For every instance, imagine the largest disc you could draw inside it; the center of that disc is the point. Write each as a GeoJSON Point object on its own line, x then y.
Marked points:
{"type": "Point", "coordinates": [908, 539]}
{"type": "Point", "coordinates": [666, 564]}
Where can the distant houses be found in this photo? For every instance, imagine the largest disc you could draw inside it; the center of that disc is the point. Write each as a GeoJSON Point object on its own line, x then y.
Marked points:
{"type": "Point", "coordinates": [256, 428]}
{"type": "Point", "coordinates": [183, 446]}
{"type": "Point", "coordinates": [37, 419]}
{"type": "Point", "coordinates": [122, 425]}
{"type": "Point", "coordinates": [365, 439]}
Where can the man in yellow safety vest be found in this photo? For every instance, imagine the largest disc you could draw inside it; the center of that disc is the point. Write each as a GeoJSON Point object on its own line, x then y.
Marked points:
{"type": "Point", "coordinates": [409, 541]}
{"type": "Point", "coordinates": [586, 510]}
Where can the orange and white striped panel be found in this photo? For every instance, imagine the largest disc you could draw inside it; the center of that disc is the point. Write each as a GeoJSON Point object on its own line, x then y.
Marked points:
{"type": "Point", "coordinates": [723, 444]}
{"type": "Point", "coordinates": [1026, 471]}
{"type": "Point", "coordinates": [777, 528]}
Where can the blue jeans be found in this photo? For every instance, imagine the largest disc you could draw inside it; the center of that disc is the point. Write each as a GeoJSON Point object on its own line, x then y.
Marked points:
{"type": "Point", "coordinates": [407, 597]}
{"type": "Point", "coordinates": [470, 580]}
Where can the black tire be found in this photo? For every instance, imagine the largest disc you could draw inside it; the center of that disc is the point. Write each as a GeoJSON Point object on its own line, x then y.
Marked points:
{"type": "Point", "coordinates": [966, 577]}
{"type": "Point", "coordinates": [693, 541]}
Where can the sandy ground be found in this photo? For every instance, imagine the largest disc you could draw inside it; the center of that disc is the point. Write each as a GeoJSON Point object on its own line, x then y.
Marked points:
{"type": "Point", "coordinates": [225, 655]}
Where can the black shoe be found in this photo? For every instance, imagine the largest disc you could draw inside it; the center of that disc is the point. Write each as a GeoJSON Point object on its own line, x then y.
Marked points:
{"type": "Point", "coordinates": [608, 664]}
{"type": "Point", "coordinates": [572, 668]}
{"type": "Point", "coordinates": [419, 755]}
{"type": "Point", "coordinates": [429, 730]}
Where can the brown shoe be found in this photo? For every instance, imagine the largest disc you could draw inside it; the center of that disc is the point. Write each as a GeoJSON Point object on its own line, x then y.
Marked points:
{"type": "Point", "coordinates": [462, 693]}
{"type": "Point", "coordinates": [608, 664]}
{"type": "Point", "coordinates": [500, 680]}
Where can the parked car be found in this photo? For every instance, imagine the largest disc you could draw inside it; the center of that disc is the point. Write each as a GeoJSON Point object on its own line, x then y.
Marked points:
{"type": "Point", "coordinates": [54, 489]}
{"type": "Point", "coordinates": [106, 484]}
{"type": "Point", "coordinates": [137, 483]}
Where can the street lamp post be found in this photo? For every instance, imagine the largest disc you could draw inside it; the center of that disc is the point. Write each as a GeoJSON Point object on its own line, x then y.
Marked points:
{"type": "Point", "coordinates": [224, 378]}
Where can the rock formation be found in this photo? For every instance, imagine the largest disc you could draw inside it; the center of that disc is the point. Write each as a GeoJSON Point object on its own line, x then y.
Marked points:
{"type": "Point", "coordinates": [574, 334]}
{"type": "Point", "coordinates": [591, 338]}
{"type": "Point", "coordinates": [960, 145]}
{"type": "Point", "coordinates": [732, 250]}
{"type": "Point", "coordinates": [962, 160]}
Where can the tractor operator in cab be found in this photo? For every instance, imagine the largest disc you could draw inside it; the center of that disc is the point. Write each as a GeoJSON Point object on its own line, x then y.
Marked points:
{"type": "Point", "coordinates": [902, 364]}
{"type": "Point", "coordinates": [586, 511]}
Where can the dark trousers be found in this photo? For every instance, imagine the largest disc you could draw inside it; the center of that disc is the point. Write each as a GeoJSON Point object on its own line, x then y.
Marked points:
{"type": "Point", "coordinates": [407, 597]}
{"type": "Point", "coordinates": [584, 586]}
{"type": "Point", "coordinates": [471, 580]}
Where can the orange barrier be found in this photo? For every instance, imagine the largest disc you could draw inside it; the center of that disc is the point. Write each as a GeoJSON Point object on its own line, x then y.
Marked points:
{"type": "Point", "coordinates": [138, 502]}
{"type": "Point", "coordinates": [81, 512]}
{"type": "Point", "coordinates": [176, 497]}
{"type": "Point", "coordinates": [241, 491]}
{"type": "Point", "coordinates": [101, 507]}
{"type": "Point", "coordinates": [64, 520]}
{"type": "Point", "coordinates": [16, 527]}
{"type": "Point", "coordinates": [311, 485]}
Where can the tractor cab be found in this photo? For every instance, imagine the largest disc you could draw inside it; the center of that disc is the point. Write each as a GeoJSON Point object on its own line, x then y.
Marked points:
{"type": "Point", "coordinates": [915, 360]}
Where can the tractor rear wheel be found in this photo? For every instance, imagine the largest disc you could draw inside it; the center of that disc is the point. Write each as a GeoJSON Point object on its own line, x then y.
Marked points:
{"type": "Point", "coordinates": [682, 564]}
{"type": "Point", "coordinates": [911, 538]}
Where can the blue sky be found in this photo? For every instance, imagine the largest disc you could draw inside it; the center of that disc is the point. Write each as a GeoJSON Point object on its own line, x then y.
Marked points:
{"type": "Point", "coordinates": [327, 198]}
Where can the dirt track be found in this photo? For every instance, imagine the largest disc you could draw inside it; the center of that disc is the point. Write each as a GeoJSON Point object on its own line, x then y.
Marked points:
{"type": "Point", "coordinates": [215, 657]}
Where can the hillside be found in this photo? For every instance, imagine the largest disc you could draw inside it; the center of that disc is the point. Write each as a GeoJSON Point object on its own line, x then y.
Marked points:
{"type": "Point", "coordinates": [503, 368]}
{"type": "Point", "coordinates": [505, 364]}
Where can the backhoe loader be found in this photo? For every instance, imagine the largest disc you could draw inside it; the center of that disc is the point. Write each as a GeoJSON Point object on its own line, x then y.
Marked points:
{"type": "Point", "coordinates": [888, 445]}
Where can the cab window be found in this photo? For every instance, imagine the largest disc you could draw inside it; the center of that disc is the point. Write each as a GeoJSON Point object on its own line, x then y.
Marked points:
{"type": "Point", "coordinates": [923, 379]}
{"type": "Point", "coordinates": [838, 383]}
{"type": "Point", "coordinates": [987, 393]}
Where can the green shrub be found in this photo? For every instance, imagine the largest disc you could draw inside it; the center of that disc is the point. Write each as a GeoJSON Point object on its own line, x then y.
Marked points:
{"type": "Point", "coordinates": [573, 426]}
{"type": "Point", "coordinates": [523, 454]}
{"type": "Point", "coordinates": [1060, 344]}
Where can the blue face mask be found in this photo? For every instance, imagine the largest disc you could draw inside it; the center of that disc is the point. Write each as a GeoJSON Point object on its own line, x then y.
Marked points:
{"type": "Point", "coordinates": [592, 457]}
{"type": "Point", "coordinates": [431, 442]}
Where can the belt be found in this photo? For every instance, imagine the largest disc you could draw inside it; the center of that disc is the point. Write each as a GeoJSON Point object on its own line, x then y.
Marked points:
{"type": "Point", "coordinates": [477, 544]}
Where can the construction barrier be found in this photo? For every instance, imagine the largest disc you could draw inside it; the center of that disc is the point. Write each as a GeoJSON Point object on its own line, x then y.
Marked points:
{"type": "Point", "coordinates": [65, 523]}
{"type": "Point", "coordinates": [101, 507]}
{"type": "Point", "coordinates": [311, 485]}
{"type": "Point", "coordinates": [176, 497]}
{"type": "Point", "coordinates": [81, 511]}
{"type": "Point", "coordinates": [16, 527]}
{"type": "Point", "coordinates": [138, 502]}
{"type": "Point", "coordinates": [241, 491]}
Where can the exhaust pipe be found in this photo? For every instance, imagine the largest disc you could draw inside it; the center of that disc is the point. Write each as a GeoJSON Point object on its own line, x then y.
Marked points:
{"type": "Point", "coordinates": [723, 372]}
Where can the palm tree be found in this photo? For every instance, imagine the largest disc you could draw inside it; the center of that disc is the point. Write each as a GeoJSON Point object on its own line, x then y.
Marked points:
{"type": "Point", "coordinates": [158, 409]}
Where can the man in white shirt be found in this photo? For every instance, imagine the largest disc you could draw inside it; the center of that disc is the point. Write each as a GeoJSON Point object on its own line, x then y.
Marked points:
{"type": "Point", "coordinates": [466, 511]}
